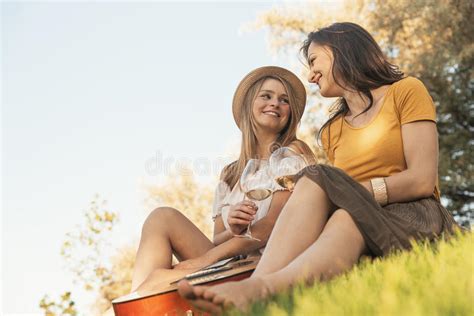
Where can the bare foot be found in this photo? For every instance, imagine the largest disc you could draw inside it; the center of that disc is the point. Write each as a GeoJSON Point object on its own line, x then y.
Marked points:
{"type": "Point", "coordinates": [195, 296]}
{"type": "Point", "coordinates": [215, 298]}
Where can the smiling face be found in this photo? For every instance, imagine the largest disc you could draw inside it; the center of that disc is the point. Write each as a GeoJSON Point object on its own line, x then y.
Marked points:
{"type": "Point", "coordinates": [321, 61]}
{"type": "Point", "coordinates": [271, 108]}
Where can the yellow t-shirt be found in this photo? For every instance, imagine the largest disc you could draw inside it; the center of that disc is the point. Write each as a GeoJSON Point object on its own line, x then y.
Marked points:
{"type": "Point", "coordinates": [376, 150]}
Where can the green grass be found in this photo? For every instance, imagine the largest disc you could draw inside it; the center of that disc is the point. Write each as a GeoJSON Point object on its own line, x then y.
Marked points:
{"type": "Point", "coordinates": [432, 279]}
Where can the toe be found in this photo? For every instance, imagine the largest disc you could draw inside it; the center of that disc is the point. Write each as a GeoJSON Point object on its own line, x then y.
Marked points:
{"type": "Point", "coordinates": [208, 295]}
{"type": "Point", "coordinates": [207, 306]}
{"type": "Point", "coordinates": [186, 290]}
{"type": "Point", "coordinates": [218, 300]}
{"type": "Point", "coordinates": [199, 290]}
{"type": "Point", "coordinates": [228, 304]}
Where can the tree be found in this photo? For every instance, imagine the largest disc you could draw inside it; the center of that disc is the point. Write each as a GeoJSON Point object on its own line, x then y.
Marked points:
{"type": "Point", "coordinates": [432, 40]}
{"type": "Point", "coordinates": [121, 281]}
{"type": "Point", "coordinates": [109, 273]}
{"type": "Point", "coordinates": [82, 251]}
{"type": "Point", "coordinates": [183, 192]}
{"type": "Point", "coordinates": [65, 306]}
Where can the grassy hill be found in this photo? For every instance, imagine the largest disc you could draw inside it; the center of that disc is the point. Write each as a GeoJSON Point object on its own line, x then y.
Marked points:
{"type": "Point", "coordinates": [429, 280]}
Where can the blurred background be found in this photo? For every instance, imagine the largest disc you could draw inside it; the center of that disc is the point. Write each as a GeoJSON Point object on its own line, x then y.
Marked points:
{"type": "Point", "coordinates": [111, 109]}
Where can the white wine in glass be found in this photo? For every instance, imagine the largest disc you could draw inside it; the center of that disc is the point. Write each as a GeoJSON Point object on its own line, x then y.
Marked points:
{"type": "Point", "coordinates": [258, 194]}
{"type": "Point", "coordinates": [287, 181]}
{"type": "Point", "coordinates": [256, 183]}
{"type": "Point", "coordinates": [285, 163]}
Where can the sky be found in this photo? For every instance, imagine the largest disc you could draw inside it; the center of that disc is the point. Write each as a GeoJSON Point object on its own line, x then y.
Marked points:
{"type": "Point", "coordinates": [95, 97]}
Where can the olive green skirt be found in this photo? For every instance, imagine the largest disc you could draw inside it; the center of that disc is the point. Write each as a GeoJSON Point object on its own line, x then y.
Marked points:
{"type": "Point", "coordinates": [386, 228]}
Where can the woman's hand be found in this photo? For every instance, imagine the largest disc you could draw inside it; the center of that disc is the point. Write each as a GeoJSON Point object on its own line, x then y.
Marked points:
{"type": "Point", "coordinates": [196, 263]}
{"type": "Point", "coordinates": [241, 215]}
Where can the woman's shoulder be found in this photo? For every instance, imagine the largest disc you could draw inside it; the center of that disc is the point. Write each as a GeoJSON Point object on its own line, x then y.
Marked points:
{"type": "Point", "coordinates": [298, 146]}
{"type": "Point", "coordinates": [408, 84]}
{"type": "Point", "coordinates": [412, 101]}
{"type": "Point", "coordinates": [302, 148]}
{"type": "Point", "coordinates": [333, 128]}
{"type": "Point", "coordinates": [408, 80]}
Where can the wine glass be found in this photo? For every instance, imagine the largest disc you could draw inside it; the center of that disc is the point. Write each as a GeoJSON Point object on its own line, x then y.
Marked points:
{"type": "Point", "coordinates": [256, 183]}
{"type": "Point", "coordinates": [285, 163]}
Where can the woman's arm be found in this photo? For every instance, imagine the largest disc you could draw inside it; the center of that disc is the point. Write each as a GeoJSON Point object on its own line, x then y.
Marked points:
{"type": "Point", "coordinates": [260, 229]}
{"type": "Point", "coordinates": [220, 233]}
{"type": "Point", "coordinates": [236, 246]}
{"type": "Point", "coordinates": [420, 146]}
{"type": "Point", "coordinates": [227, 245]}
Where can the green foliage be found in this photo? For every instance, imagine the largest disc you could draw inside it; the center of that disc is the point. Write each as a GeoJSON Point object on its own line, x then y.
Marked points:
{"type": "Point", "coordinates": [83, 251]}
{"type": "Point", "coordinates": [65, 306]}
{"type": "Point", "coordinates": [432, 279]}
{"type": "Point", "coordinates": [84, 247]}
{"type": "Point", "coordinates": [434, 41]}
{"type": "Point", "coordinates": [119, 281]}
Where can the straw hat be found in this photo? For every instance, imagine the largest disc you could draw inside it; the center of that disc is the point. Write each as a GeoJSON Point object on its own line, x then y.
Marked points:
{"type": "Point", "coordinates": [258, 73]}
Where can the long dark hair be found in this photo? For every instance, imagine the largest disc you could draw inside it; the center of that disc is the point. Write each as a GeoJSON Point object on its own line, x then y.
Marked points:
{"type": "Point", "coordinates": [358, 61]}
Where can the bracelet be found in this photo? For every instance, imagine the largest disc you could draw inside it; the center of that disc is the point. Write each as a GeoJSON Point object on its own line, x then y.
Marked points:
{"type": "Point", "coordinates": [380, 190]}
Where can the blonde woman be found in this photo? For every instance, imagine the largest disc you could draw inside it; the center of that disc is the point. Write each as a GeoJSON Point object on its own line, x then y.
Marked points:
{"type": "Point", "coordinates": [267, 107]}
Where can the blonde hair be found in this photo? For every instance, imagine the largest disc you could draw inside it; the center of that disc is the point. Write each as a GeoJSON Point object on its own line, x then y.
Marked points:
{"type": "Point", "coordinates": [248, 150]}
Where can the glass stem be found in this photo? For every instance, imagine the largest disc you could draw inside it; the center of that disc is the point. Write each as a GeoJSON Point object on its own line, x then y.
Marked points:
{"type": "Point", "coordinates": [248, 230]}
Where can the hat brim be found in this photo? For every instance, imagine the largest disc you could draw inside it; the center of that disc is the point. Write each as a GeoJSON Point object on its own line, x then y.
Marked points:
{"type": "Point", "coordinates": [267, 71]}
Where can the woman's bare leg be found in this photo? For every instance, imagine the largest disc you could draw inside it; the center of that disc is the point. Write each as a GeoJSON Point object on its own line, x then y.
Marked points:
{"type": "Point", "coordinates": [337, 249]}
{"type": "Point", "coordinates": [165, 232]}
{"type": "Point", "coordinates": [299, 225]}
